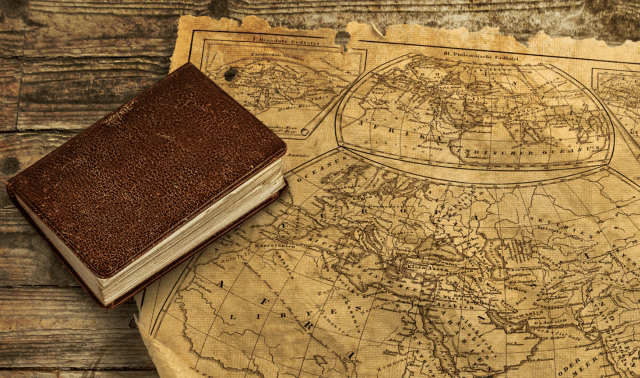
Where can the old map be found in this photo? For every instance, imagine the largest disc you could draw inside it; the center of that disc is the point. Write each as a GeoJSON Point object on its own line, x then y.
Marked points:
{"type": "Point", "coordinates": [620, 91]}
{"type": "Point", "coordinates": [452, 112]}
{"type": "Point", "coordinates": [289, 84]}
{"type": "Point", "coordinates": [465, 209]}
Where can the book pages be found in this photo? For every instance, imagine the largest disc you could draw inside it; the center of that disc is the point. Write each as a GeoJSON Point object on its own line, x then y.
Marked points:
{"type": "Point", "coordinates": [460, 205]}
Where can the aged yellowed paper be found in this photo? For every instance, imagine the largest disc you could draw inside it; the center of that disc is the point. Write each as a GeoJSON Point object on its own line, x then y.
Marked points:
{"type": "Point", "coordinates": [460, 205]}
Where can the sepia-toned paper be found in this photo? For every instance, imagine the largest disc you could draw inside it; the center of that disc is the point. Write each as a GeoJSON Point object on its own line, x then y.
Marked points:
{"type": "Point", "coordinates": [460, 205]}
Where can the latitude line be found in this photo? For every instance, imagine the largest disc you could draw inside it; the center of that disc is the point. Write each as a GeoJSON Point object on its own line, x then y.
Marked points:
{"type": "Point", "coordinates": [445, 183]}
{"type": "Point", "coordinates": [327, 330]}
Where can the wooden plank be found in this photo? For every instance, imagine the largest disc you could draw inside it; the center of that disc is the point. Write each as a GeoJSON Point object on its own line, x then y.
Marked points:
{"type": "Point", "coordinates": [37, 373]}
{"type": "Point", "coordinates": [121, 8]}
{"type": "Point", "coordinates": [25, 259]}
{"type": "Point", "coordinates": [72, 94]}
{"type": "Point", "coordinates": [613, 22]}
{"type": "Point", "coordinates": [11, 51]}
{"type": "Point", "coordinates": [63, 327]}
{"type": "Point", "coordinates": [18, 151]}
{"type": "Point", "coordinates": [10, 75]}
{"type": "Point", "coordinates": [92, 56]}
{"type": "Point", "coordinates": [106, 28]}
{"type": "Point", "coordinates": [270, 7]}
{"type": "Point", "coordinates": [11, 38]}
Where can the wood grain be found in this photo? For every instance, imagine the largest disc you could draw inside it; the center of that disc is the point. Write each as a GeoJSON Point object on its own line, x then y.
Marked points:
{"type": "Point", "coordinates": [106, 28]}
{"type": "Point", "coordinates": [120, 8]}
{"type": "Point", "coordinates": [10, 75]}
{"type": "Point", "coordinates": [12, 33]}
{"type": "Point", "coordinates": [18, 151]}
{"type": "Point", "coordinates": [11, 38]}
{"type": "Point", "coordinates": [62, 326]}
{"type": "Point", "coordinates": [89, 57]}
{"type": "Point", "coordinates": [57, 373]}
{"type": "Point", "coordinates": [72, 94]}
{"type": "Point", "coordinates": [611, 21]}
{"type": "Point", "coordinates": [26, 260]}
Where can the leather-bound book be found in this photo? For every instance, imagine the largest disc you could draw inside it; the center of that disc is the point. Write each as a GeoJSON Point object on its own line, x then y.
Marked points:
{"type": "Point", "coordinates": [151, 184]}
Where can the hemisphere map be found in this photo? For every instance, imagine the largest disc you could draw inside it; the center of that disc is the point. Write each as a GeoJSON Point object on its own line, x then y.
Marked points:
{"type": "Point", "coordinates": [366, 270]}
{"type": "Point", "coordinates": [452, 113]}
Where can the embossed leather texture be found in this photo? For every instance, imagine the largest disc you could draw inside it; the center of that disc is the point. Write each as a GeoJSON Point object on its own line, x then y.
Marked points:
{"type": "Point", "coordinates": [130, 180]}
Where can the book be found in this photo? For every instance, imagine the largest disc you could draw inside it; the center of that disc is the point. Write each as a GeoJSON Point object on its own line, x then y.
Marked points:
{"type": "Point", "coordinates": [150, 184]}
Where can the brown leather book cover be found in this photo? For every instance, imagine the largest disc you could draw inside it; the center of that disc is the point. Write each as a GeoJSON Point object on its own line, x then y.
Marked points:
{"type": "Point", "coordinates": [133, 178]}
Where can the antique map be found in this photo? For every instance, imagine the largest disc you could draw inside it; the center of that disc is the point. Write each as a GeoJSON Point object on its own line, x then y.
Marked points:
{"type": "Point", "coordinates": [460, 205]}
{"type": "Point", "coordinates": [290, 85]}
{"type": "Point", "coordinates": [620, 91]}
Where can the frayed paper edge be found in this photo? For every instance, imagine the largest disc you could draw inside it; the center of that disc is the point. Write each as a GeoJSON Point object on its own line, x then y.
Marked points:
{"type": "Point", "coordinates": [168, 363]}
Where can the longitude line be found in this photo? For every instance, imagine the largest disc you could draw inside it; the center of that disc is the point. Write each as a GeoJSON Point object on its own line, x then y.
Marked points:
{"type": "Point", "coordinates": [373, 301]}
{"type": "Point", "coordinates": [504, 287]}
{"type": "Point", "coordinates": [231, 287]}
{"type": "Point", "coordinates": [285, 284]}
{"type": "Point", "coordinates": [466, 264]}
{"type": "Point", "coordinates": [541, 104]}
{"type": "Point", "coordinates": [611, 252]}
{"type": "Point", "coordinates": [442, 198]}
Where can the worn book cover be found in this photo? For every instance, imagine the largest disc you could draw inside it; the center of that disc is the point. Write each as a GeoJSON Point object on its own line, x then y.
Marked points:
{"type": "Point", "coordinates": [122, 186]}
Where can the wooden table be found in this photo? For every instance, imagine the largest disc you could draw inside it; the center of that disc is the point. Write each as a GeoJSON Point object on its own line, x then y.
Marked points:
{"type": "Point", "coordinates": [65, 64]}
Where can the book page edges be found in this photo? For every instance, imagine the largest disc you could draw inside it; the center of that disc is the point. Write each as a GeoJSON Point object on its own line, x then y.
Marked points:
{"type": "Point", "coordinates": [95, 285]}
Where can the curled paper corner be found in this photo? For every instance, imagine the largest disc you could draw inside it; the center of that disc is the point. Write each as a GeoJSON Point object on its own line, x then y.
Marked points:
{"type": "Point", "coordinates": [376, 30]}
{"type": "Point", "coordinates": [168, 363]}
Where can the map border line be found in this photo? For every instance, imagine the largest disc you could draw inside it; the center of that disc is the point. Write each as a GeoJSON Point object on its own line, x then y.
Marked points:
{"type": "Point", "coordinates": [500, 52]}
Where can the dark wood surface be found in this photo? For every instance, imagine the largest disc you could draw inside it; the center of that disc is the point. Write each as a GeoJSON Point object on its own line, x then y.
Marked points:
{"type": "Point", "coordinates": [65, 64]}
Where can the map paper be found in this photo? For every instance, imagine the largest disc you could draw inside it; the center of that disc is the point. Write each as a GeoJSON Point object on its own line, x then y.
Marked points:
{"type": "Point", "coordinates": [460, 205]}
